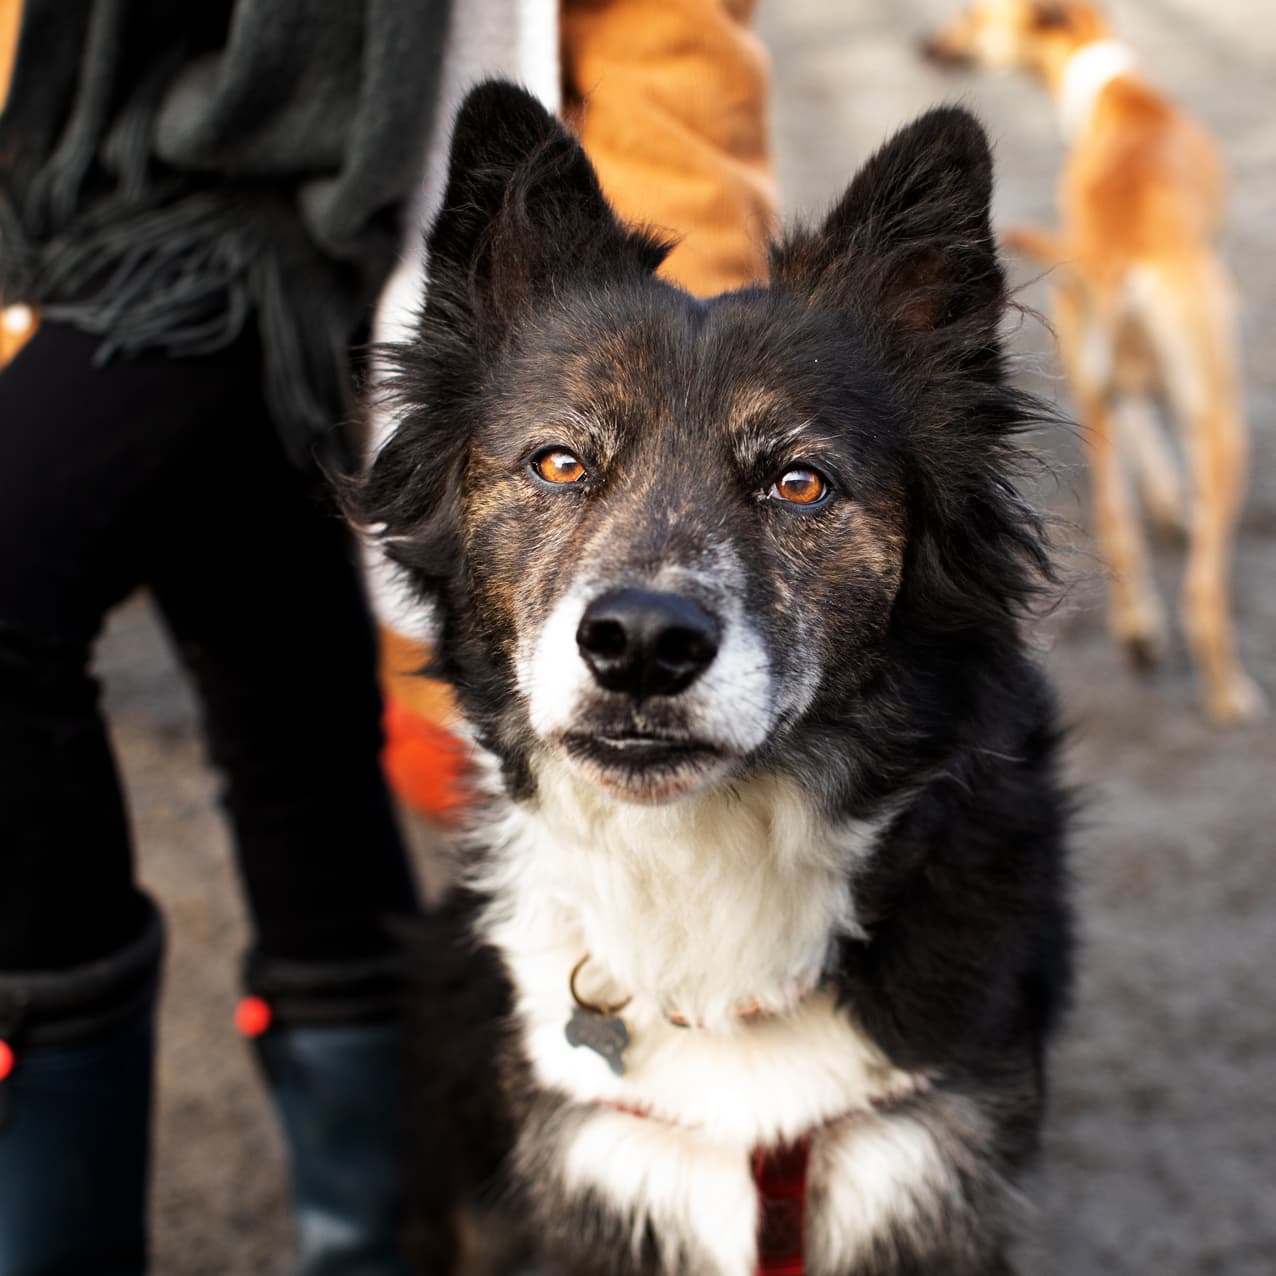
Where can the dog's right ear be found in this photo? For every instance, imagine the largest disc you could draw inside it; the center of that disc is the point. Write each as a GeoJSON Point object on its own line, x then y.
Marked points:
{"type": "Point", "coordinates": [523, 210]}
{"type": "Point", "coordinates": [523, 214]}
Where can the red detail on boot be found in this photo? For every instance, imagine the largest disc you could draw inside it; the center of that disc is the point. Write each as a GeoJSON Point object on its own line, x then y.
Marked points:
{"type": "Point", "coordinates": [253, 1016]}
{"type": "Point", "coordinates": [6, 1059]}
{"type": "Point", "coordinates": [425, 763]}
{"type": "Point", "coordinates": [780, 1177]}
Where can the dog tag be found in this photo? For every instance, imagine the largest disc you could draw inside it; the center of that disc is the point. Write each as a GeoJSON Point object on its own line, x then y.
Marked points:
{"type": "Point", "coordinates": [605, 1035]}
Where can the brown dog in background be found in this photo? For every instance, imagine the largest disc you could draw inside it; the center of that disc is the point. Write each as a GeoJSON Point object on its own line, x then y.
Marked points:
{"type": "Point", "coordinates": [1143, 309]}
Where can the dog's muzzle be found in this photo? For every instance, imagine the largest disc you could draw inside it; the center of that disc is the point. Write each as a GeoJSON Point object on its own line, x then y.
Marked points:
{"type": "Point", "coordinates": [643, 643]}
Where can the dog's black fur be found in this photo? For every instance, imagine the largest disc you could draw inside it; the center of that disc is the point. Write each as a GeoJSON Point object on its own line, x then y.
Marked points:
{"type": "Point", "coordinates": [881, 327]}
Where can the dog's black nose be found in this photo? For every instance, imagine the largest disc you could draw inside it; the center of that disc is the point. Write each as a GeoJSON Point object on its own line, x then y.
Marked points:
{"type": "Point", "coordinates": [646, 643]}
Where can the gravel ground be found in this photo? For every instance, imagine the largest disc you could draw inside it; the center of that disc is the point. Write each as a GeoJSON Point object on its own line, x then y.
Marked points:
{"type": "Point", "coordinates": [1161, 1153]}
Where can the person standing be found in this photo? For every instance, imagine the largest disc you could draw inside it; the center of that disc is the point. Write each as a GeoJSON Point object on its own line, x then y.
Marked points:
{"type": "Point", "coordinates": [203, 202]}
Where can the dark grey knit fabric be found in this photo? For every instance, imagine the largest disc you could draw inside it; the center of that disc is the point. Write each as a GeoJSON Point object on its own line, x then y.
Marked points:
{"type": "Point", "coordinates": [173, 170]}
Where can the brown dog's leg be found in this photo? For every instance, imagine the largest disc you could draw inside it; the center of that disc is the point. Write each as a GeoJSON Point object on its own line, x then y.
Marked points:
{"type": "Point", "coordinates": [1135, 617]}
{"type": "Point", "coordinates": [1191, 314]}
{"type": "Point", "coordinates": [1156, 470]}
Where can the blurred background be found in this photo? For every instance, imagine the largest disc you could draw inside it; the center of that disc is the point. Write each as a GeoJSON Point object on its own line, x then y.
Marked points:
{"type": "Point", "coordinates": [1161, 1151]}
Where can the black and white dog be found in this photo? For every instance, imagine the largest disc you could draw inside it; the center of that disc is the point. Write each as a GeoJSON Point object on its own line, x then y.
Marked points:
{"type": "Point", "coordinates": [732, 594]}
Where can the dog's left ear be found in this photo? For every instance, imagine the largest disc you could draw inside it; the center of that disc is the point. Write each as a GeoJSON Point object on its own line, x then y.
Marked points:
{"type": "Point", "coordinates": [909, 245]}
{"type": "Point", "coordinates": [523, 210]}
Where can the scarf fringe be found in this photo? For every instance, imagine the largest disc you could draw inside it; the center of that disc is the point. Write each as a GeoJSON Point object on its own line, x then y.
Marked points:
{"type": "Point", "coordinates": [187, 278]}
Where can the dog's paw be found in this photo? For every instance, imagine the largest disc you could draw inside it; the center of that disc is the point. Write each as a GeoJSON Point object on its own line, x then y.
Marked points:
{"type": "Point", "coordinates": [1143, 652]}
{"type": "Point", "coordinates": [1238, 700]}
{"type": "Point", "coordinates": [1144, 645]}
{"type": "Point", "coordinates": [1137, 623]}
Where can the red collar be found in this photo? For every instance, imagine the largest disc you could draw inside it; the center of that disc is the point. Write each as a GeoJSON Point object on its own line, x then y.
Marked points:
{"type": "Point", "coordinates": [780, 1177]}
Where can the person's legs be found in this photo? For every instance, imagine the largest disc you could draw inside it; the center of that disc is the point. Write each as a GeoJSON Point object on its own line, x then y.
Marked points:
{"type": "Point", "coordinates": [83, 455]}
{"type": "Point", "coordinates": [167, 470]}
{"type": "Point", "coordinates": [73, 468]}
{"type": "Point", "coordinates": [265, 603]}
{"type": "Point", "coordinates": [264, 599]}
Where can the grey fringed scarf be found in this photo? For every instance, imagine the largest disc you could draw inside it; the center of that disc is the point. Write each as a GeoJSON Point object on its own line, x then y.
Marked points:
{"type": "Point", "coordinates": [172, 171]}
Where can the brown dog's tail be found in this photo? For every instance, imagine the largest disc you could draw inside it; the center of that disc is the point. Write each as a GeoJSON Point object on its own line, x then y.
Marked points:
{"type": "Point", "coordinates": [1046, 247]}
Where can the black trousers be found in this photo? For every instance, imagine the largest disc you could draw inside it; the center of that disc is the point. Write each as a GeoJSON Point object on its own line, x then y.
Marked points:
{"type": "Point", "coordinates": [167, 473]}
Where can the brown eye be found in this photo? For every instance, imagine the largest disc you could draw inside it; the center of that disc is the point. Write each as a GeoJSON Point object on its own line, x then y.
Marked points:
{"type": "Point", "coordinates": [799, 486]}
{"type": "Point", "coordinates": [558, 466]}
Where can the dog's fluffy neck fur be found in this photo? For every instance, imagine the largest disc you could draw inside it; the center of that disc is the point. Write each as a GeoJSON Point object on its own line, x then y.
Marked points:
{"type": "Point", "coordinates": [1089, 69]}
{"type": "Point", "coordinates": [740, 893]}
{"type": "Point", "coordinates": [730, 897]}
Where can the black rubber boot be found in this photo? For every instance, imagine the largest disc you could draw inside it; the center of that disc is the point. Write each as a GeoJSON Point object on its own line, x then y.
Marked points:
{"type": "Point", "coordinates": [330, 1042]}
{"type": "Point", "coordinates": [76, 1069]}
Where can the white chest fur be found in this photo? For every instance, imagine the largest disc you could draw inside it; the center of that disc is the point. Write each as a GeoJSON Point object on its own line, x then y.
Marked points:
{"type": "Point", "coordinates": [700, 907]}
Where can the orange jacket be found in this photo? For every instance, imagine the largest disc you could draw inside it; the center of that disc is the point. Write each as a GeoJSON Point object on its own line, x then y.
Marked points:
{"type": "Point", "coordinates": [669, 98]}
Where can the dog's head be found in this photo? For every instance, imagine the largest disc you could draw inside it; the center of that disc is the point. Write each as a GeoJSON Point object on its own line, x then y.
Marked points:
{"type": "Point", "coordinates": [670, 538]}
{"type": "Point", "coordinates": [1002, 35]}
